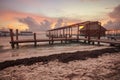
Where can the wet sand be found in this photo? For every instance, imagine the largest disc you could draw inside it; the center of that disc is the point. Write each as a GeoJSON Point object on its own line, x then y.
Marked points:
{"type": "Point", "coordinates": [102, 64]}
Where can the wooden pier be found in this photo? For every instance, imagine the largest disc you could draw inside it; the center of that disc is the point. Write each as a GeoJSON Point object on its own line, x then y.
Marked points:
{"type": "Point", "coordinates": [91, 31]}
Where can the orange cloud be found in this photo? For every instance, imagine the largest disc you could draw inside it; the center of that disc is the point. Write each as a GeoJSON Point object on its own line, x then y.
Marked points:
{"type": "Point", "coordinates": [11, 19]}
{"type": "Point", "coordinates": [8, 18]}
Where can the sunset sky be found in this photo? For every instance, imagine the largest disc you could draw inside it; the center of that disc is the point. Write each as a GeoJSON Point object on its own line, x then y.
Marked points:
{"type": "Point", "coordinates": [41, 15]}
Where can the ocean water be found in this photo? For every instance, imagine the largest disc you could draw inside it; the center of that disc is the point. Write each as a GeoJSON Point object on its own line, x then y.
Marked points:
{"type": "Point", "coordinates": [27, 50]}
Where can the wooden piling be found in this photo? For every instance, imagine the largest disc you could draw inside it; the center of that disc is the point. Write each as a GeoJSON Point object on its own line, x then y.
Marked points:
{"type": "Point", "coordinates": [66, 38]}
{"type": "Point", "coordinates": [16, 34]}
{"type": "Point", "coordinates": [35, 42]}
{"type": "Point", "coordinates": [17, 44]}
{"type": "Point", "coordinates": [49, 34]}
{"type": "Point", "coordinates": [52, 40]}
{"type": "Point", "coordinates": [88, 33]}
{"type": "Point", "coordinates": [63, 32]}
{"type": "Point", "coordinates": [57, 33]}
{"type": "Point", "coordinates": [77, 33]}
{"type": "Point", "coordinates": [71, 31]}
{"type": "Point", "coordinates": [99, 35]}
{"type": "Point", "coordinates": [93, 42]}
{"type": "Point", "coordinates": [12, 38]}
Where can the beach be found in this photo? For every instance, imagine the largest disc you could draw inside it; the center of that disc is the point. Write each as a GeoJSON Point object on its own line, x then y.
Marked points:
{"type": "Point", "coordinates": [97, 64]}
{"type": "Point", "coordinates": [74, 61]}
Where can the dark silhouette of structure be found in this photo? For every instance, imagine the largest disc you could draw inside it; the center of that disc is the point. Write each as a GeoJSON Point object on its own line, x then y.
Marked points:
{"type": "Point", "coordinates": [90, 30]}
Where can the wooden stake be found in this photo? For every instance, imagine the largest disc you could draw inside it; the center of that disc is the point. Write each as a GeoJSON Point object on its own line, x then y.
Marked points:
{"type": "Point", "coordinates": [71, 31]}
{"type": "Point", "coordinates": [77, 33]}
{"type": "Point", "coordinates": [52, 40]}
{"type": "Point", "coordinates": [63, 32]}
{"type": "Point", "coordinates": [17, 38]}
{"type": "Point", "coordinates": [99, 33]}
{"type": "Point", "coordinates": [35, 42]}
{"type": "Point", "coordinates": [12, 38]}
{"type": "Point", "coordinates": [88, 33]}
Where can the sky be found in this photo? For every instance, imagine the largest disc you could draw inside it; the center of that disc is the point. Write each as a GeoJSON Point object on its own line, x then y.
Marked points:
{"type": "Point", "coordinates": [42, 15]}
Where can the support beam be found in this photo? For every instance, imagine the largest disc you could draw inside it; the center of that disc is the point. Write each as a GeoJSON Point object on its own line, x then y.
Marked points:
{"type": "Point", "coordinates": [12, 38]}
{"type": "Point", "coordinates": [52, 40]}
{"type": "Point", "coordinates": [16, 34]}
{"type": "Point", "coordinates": [86, 33]}
{"type": "Point", "coordinates": [77, 33]}
{"type": "Point", "coordinates": [60, 34]}
{"type": "Point", "coordinates": [17, 38]}
{"type": "Point", "coordinates": [66, 38]}
{"type": "Point", "coordinates": [71, 31]}
{"type": "Point", "coordinates": [99, 34]}
{"type": "Point", "coordinates": [56, 33]}
{"type": "Point", "coordinates": [66, 32]}
{"type": "Point", "coordinates": [89, 33]}
{"type": "Point", "coordinates": [35, 42]}
{"type": "Point", "coordinates": [49, 34]}
{"type": "Point", "coordinates": [63, 32]}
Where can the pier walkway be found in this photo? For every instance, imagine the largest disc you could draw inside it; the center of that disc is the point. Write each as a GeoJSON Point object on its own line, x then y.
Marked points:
{"type": "Point", "coordinates": [91, 31]}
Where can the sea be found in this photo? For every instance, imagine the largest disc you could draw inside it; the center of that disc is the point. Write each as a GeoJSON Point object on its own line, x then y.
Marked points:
{"type": "Point", "coordinates": [28, 50]}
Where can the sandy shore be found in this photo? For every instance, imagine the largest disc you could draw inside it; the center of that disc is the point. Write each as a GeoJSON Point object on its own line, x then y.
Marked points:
{"type": "Point", "coordinates": [101, 64]}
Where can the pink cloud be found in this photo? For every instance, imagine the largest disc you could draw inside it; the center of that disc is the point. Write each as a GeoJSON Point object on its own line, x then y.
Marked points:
{"type": "Point", "coordinates": [115, 15]}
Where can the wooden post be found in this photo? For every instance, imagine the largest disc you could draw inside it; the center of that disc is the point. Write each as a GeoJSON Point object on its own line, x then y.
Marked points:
{"type": "Point", "coordinates": [93, 42]}
{"type": "Point", "coordinates": [16, 34]}
{"type": "Point", "coordinates": [52, 40]}
{"type": "Point", "coordinates": [49, 36]}
{"type": "Point", "coordinates": [17, 44]}
{"type": "Point", "coordinates": [12, 38]}
{"type": "Point", "coordinates": [77, 33]}
{"type": "Point", "coordinates": [63, 33]}
{"type": "Point", "coordinates": [71, 31]}
{"type": "Point", "coordinates": [53, 34]}
{"type": "Point", "coordinates": [88, 33]}
{"type": "Point", "coordinates": [99, 33]}
{"type": "Point", "coordinates": [66, 38]}
{"type": "Point", "coordinates": [66, 32]}
{"type": "Point", "coordinates": [60, 33]}
{"type": "Point", "coordinates": [57, 33]}
{"type": "Point", "coordinates": [35, 42]}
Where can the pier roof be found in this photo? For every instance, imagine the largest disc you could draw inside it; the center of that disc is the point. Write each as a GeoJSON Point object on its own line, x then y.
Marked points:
{"type": "Point", "coordinates": [75, 25]}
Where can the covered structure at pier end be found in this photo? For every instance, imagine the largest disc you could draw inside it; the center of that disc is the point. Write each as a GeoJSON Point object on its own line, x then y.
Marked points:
{"type": "Point", "coordinates": [87, 29]}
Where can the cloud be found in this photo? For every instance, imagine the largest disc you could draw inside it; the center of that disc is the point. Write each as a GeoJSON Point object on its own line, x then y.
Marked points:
{"type": "Point", "coordinates": [34, 25]}
{"type": "Point", "coordinates": [115, 16]}
{"type": "Point", "coordinates": [45, 25]}
{"type": "Point", "coordinates": [59, 23]}
{"type": "Point", "coordinates": [112, 25]}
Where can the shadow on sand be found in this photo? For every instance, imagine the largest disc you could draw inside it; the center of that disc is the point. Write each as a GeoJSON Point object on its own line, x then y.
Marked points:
{"type": "Point", "coordinates": [63, 57]}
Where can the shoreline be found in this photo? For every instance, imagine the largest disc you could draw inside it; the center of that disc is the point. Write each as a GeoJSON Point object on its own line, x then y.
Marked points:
{"type": "Point", "coordinates": [100, 64]}
{"type": "Point", "coordinates": [63, 57]}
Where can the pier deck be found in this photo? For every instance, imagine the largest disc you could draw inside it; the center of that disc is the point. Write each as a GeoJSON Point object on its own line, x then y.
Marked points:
{"type": "Point", "coordinates": [51, 41]}
{"type": "Point", "coordinates": [91, 31]}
